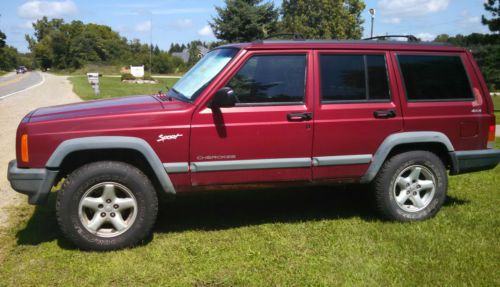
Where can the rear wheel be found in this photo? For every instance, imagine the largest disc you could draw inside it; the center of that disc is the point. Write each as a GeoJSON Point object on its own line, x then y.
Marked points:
{"type": "Point", "coordinates": [106, 205]}
{"type": "Point", "coordinates": [411, 186]}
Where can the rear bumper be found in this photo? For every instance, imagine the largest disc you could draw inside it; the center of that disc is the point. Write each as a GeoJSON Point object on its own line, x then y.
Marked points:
{"type": "Point", "coordinates": [34, 182]}
{"type": "Point", "coordinates": [474, 160]}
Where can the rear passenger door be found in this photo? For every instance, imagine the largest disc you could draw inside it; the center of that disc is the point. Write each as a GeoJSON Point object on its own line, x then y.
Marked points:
{"type": "Point", "coordinates": [440, 92]}
{"type": "Point", "coordinates": [356, 108]}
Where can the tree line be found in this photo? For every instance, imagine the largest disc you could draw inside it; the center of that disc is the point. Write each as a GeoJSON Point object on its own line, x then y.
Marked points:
{"type": "Point", "coordinates": [70, 46]}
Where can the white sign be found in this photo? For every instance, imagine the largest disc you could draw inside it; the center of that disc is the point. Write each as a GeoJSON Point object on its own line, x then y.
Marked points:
{"type": "Point", "coordinates": [93, 78]}
{"type": "Point", "coordinates": [137, 71]}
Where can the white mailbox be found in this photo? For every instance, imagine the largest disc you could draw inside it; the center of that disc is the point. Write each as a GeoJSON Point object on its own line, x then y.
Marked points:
{"type": "Point", "coordinates": [93, 78]}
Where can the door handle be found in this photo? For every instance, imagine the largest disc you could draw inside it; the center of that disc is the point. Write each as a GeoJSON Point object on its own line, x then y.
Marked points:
{"type": "Point", "coordinates": [384, 114]}
{"type": "Point", "coordinates": [299, 116]}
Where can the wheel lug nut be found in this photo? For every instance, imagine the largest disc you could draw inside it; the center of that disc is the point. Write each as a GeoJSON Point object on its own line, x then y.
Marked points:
{"type": "Point", "coordinates": [100, 206]}
{"type": "Point", "coordinates": [414, 193]}
{"type": "Point", "coordinates": [112, 214]}
{"type": "Point", "coordinates": [418, 186]}
{"type": "Point", "coordinates": [115, 206]}
{"type": "Point", "coordinates": [108, 200]}
{"type": "Point", "coordinates": [103, 214]}
{"type": "Point", "coordinates": [408, 192]}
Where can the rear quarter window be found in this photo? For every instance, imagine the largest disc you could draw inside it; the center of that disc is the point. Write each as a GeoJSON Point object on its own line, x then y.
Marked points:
{"type": "Point", "coordinates": [435, 78]}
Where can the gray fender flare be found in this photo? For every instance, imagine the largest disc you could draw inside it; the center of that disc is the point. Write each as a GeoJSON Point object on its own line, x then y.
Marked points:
{"type": "Point", "coordinates": [113, 142]}
{"type": "Point", "coordinates": [402, 138]}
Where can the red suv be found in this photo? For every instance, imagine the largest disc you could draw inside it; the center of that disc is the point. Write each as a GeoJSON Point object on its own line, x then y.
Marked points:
{"type": "Point", "coordinates": [393, 114]}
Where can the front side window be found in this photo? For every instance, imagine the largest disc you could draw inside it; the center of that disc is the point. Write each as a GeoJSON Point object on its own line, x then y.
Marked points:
{"type": "Point", "coordinates": [434, 78]}
{"type": "Point", "coordinates": [200, 75]}
{"type": "Point", "coordinates": [358, 78]}
{"type": "Point", "coordinates": [270, 79]}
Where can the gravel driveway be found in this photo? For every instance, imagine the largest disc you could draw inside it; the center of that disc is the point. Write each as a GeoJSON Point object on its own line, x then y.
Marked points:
{"type": "Point", "coordinates": [54, 91]}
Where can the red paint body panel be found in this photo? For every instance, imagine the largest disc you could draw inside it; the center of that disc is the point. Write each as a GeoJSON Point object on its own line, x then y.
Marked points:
{"type": "Point", "coordinates": [263, 132]}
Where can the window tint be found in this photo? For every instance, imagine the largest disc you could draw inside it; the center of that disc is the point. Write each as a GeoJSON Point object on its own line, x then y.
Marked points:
{"type": "Point", "coordinates": [270, 79]}
{"type": "Point", "coordinates": [353, 78]}
{"type": "Point", "coordinates": [432, 77]}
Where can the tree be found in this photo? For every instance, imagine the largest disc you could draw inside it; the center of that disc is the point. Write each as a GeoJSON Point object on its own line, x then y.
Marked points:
{"type": "Point", "coordinates": [493, 23]}
{"type": "Point", "coordinates": [318, 19]}
{"type": "Point", "coordinates": [245, 20]}
{"type": "Point", "coordinates": [2, 39]}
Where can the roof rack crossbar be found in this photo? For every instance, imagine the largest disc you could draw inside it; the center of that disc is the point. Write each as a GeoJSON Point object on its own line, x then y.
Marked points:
{"type": "Point", "coordinates": [410, 38]}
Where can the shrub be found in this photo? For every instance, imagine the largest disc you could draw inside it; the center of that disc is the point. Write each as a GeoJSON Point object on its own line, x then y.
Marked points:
{"type": "Point", "coordinates": [127, 76]}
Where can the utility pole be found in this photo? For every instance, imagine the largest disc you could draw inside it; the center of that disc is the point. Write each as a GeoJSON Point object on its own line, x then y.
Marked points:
{"type": "Point", "coordinates": [150, 42]}
{"type": "Point", "coordinates": [372, 13]}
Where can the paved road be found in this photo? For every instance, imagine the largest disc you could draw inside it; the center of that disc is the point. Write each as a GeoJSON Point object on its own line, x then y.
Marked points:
{"type": "Point", "coordinates": [11, 84]}
{"type": "Point", "coordinates": [43, 90]}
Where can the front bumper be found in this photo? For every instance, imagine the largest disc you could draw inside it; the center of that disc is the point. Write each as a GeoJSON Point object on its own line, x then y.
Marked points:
{"type": "Point", "coordinates": [34, 182]}
{"type": "Point", "coordinates": [474, 160]}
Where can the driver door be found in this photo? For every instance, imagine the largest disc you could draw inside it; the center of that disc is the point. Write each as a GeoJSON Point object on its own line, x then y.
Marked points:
{"type": "Point", "coordinates": [267, 136]}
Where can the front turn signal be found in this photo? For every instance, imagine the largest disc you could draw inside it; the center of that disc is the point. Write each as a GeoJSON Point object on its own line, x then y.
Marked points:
{"type": "Point", "coordinates": [24, 148]}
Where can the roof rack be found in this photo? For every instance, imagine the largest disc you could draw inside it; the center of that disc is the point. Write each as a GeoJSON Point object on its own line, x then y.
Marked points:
{"type": "Point", "coordinates": [410, 38]}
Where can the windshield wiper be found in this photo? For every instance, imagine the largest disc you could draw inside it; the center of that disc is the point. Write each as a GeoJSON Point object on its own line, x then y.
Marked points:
{"type": "Point", "coordinates": [179, 96]}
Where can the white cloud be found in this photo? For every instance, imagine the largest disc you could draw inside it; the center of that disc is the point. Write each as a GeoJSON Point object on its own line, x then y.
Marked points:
{"type": "Point", "coordinates": [426, 36]}
{"type": "Point", "coordinates": [25, 25]}
{"type": "Point", "coordinates": [206, 31]}
{"type": "Point", "coordinates": [143, 27]}
{"type": "Point", "coordinates": [393, 20]}
{"type": "Point", "coordinates": [51, 9]}
{"type": "Point", "coordinates": [411, 7]}
{"type": "Point", "coordinates": [183, 23]}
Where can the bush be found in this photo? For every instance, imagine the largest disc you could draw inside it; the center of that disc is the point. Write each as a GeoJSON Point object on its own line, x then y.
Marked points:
{"type": "Point", "coordinates": [127, 76]}
{"type": "Point", "coordinates": [147, 76]}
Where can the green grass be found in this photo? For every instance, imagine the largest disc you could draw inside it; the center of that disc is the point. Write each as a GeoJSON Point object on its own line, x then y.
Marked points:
{"type": "Point", "coordinates": [496, 104]}
{"type": "Point", "coordinates": [111, 87]}
{"type": "Point", "coordinates": [288, 237]}
{"type": "Point", "coordinates": [3, 73]}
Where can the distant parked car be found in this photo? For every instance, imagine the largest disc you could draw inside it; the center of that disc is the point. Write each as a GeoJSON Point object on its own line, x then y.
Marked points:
{"type": "Point", "coordinates": [21, 70]}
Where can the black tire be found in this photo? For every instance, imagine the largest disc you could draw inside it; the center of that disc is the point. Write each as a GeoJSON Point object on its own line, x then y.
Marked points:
{"type": "Point", "coordinates": [385, 186]}
{"type": "Point", "coordinates": [84, 178]}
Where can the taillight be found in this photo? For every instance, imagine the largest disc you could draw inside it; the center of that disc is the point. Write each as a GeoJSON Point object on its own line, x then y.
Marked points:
{"type": "Point", "coordinates": [24, 148]}
{"type": "Point", "coordinates": [491, 136]}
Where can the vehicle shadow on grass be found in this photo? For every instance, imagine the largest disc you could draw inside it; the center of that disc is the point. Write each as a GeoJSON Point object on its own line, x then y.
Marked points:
{"type": "Point", "coordinates": [219, 210]}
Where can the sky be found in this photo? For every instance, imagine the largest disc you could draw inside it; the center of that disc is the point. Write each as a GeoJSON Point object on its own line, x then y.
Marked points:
{"type": "Point", "coordinates": [174, 21]}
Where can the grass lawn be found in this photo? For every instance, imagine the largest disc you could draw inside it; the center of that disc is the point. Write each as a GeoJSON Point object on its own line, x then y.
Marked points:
{"type": "Point", "coordinates": [298, 237]}
{"type": "Point", "coordinates": [496, 103]}
{"type": "Point", "coordinates": [111, 87]}
{"type": "Point", "coordinates": [3, 72]}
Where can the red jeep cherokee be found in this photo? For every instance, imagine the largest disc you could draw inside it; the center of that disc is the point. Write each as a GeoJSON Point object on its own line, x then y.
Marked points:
{"type": "Point", "coordinates": [393, 114]}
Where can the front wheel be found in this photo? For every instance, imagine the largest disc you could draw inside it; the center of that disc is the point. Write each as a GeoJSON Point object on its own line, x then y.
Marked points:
{"type": "Point", "coordinates": [106, 205]}
{"type": "Point", "coordinates": [411, 186]}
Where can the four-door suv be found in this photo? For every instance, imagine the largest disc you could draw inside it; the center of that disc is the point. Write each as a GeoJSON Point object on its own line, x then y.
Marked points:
{"type": "Point", "coordinates": [393, 114]}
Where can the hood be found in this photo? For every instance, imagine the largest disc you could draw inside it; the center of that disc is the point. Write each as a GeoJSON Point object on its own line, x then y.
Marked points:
{"type": "Point", "coordinates": [123, 105]}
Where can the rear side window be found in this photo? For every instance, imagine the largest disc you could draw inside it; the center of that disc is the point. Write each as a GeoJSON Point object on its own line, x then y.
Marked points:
{"type": "Point", "coordinates": [346, 78]}
{"type": "Point", "coordinates": [270, 79]}
{"type": "Point", "coordinates": [434, 78]}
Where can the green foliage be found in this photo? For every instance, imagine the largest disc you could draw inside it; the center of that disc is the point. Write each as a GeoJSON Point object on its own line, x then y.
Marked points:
{"type": "Point", "coordinates": [112, 87]}
{"type": "Point", "coordinates": [127, 76]}
{"type": "Point", "coordinates": [72, 46]}
{"type": "Point", "coordinates": [486, 51]}
{"type": "Point", "coordinates": [319, 19]}
{"type": "Point", "coordinates": [314, 236]}
{"type": "Point", "coordinates": [245, 20]}
{"type": "Point", "coordinates": [10, 58]}
{"type": "Point", "coordinates": [492, 6]}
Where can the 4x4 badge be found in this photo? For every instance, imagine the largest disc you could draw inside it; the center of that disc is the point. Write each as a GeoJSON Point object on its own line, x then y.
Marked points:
{"type": "Point", "coordinates": [162, 138]}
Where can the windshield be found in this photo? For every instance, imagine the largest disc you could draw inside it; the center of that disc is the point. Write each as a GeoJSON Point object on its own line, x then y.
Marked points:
{"type": "Point", "coordinates": [193, 82]}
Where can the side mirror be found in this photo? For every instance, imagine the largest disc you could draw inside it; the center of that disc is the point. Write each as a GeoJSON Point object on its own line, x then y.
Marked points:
{"type": "Point", "coordinates": [224, 98]}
